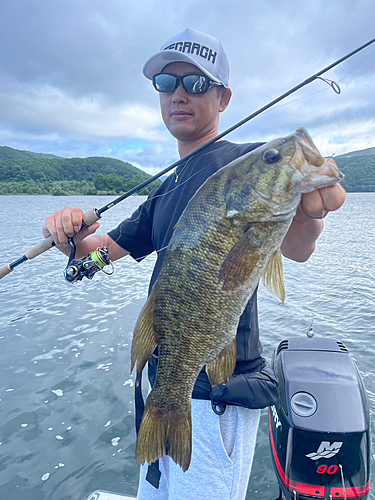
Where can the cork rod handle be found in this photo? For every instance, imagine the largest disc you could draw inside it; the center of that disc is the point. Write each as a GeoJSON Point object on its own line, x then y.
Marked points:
{"type": "Point", "coordinates": [5, 270]}
{"type": "Point", "coordinates": [88, 218]}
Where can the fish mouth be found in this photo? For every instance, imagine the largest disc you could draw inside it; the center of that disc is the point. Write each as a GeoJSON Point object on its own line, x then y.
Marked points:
{"type": "Point", "coordinates": [318, 171]}
{"type": "Point", "coordinates": [310, 151]}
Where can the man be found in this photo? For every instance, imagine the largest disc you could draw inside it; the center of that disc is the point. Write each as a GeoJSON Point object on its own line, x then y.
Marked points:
{"type": "Point", "coordinates": [191, 74]}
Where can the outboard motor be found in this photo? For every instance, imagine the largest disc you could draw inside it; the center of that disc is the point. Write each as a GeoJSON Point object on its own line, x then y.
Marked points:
{"type": "Point", "coordinates": [319, 430]}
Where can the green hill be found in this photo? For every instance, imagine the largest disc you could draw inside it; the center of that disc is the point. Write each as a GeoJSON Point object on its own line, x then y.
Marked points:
{"type": "Point", "coordinates": [24, 172]}
{"type": "Point", "coordinates": [363, 152]}
{"type": "Point", "coordinates": [359, 170]}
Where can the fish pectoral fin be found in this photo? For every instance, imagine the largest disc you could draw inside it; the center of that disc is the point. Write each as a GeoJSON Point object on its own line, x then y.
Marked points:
{"type": "Point", "coordinates": [144, 342]}
{"type": "Point", "coordinates": [273, 277]}
{"type": "Point", "coordinates": [164, 433]}
{"type": "Point", "coordinates": [241, 260]}
{"type": "Point", "coordinates": [221, 369]}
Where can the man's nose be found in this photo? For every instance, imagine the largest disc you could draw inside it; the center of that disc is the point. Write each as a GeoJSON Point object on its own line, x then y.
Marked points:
{"type": "Point", "coordinates": [179, 94]}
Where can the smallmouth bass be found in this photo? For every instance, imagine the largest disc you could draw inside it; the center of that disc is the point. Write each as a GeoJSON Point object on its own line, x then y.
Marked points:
{"type": "Point", "coordinates": [228, 236]}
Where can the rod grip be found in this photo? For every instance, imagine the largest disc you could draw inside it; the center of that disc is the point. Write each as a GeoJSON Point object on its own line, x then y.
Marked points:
{"type": "Point", "coordinates": [4, 270]}
{"type": "Point", "coordinates": [41, 247]}
{"type": "Point", "coordinates": [88, 218]}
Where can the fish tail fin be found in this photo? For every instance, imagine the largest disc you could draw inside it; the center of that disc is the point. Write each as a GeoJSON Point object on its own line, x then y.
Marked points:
{"type": "Point", "coordinates": [164, 432]}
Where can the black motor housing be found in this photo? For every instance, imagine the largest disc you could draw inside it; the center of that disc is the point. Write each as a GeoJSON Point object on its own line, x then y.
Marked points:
{"type": "Point", "coordinates": [319, 430]}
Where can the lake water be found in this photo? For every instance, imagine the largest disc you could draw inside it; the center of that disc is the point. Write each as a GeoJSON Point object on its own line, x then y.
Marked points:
{"type": "Point", "coordinates": [66, 394]}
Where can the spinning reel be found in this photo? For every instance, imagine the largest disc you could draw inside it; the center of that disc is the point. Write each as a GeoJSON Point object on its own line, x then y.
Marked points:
{"type": "Point", "coordinates": [77, 269]}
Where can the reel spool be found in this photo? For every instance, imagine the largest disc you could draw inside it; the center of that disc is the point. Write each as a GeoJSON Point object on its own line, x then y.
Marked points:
{"type": "Point", "coordinates": [86, 267]}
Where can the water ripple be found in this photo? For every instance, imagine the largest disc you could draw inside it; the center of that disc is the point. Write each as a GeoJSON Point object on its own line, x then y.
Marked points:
{"type": "Point", "coordinates": [65, 350]}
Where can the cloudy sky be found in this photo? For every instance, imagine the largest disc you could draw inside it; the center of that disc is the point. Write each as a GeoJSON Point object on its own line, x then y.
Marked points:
{"type": "Point", "coordinates": [71, 82]}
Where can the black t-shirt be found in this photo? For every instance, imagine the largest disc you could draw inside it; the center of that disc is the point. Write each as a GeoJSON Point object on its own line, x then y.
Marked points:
{"type": "Point", "coordinates": [151, 226]}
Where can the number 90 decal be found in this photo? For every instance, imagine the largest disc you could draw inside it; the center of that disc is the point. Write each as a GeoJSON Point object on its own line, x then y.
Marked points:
{"type": "Point", "coordinates": [324, 469]}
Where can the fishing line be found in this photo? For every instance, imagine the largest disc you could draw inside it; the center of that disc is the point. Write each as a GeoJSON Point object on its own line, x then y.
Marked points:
{"type": "Point", "coordinates": [334, 141]}
{"type": "Point", "coordinates": [323, 194]}
{"type": "Point", "coordinates": [310, 332]}
{"type": "Point", "coordinates": [156, 251]}
{"type": "Point", "coordinates": [287, 103]}
{"type": "Point", "coordinates": [298, 109]}
{"type": "Point", "coordinates": [284, 119]}
{"type": "Point", "coordinates": [331, 83]}
{"type": "Point", "coordinates": [356, 66]}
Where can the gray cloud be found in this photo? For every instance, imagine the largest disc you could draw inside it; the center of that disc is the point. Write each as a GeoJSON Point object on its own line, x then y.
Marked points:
{"type": "Point", "coordinates": [71, 82]}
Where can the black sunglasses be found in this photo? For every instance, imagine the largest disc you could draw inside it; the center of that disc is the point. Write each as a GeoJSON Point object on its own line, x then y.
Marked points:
{"type": "Point", "coordinates": [192, 84]}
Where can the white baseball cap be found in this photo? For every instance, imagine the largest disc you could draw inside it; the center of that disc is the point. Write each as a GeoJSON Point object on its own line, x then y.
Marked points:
{"type": "Point", "coordinates": [195, 47]}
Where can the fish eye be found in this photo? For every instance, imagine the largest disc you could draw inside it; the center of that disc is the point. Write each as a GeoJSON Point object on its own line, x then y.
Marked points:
{"type": "Point", "coordinates": [271, 156]}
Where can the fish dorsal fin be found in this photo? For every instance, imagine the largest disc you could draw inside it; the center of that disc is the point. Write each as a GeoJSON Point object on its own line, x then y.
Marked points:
{"type": "Point", "coordinates": [221, 369]}
{"type": "Point", "coordinates": [273, 276]}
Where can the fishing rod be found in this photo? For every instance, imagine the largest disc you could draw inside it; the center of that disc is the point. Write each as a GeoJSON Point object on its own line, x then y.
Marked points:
{"type": "Point", "coordinates": [99, 259]}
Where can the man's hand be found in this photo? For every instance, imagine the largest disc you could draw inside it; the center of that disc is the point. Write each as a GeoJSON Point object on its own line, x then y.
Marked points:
{"type": "Point", "coordinates": [65, 223]}
{"type": "Point", "coordinates": [317, 204]}
{"type": "Point", "coordinates": [307, 225]}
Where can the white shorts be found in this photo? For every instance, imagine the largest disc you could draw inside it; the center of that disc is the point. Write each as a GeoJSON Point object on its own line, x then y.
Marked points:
{"type": "Point", "coordinates": [223, 450]}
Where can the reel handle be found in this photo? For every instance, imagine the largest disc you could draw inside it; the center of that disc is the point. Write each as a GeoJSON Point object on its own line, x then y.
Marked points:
{"type": "Point", "coordinates": [88, 218]}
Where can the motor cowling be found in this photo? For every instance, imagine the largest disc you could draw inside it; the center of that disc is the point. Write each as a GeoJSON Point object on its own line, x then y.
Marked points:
{"type": "Point", "coordinates": [320, 428]}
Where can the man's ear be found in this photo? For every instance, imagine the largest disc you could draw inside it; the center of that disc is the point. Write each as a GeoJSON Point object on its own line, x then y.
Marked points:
{"type": "Point", "coordinates": [225, 95]}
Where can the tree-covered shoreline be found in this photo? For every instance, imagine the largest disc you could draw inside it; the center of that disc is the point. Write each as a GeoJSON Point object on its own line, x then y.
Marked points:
{"type": "Point", "coordinates": [28, 173]}
{"type": "Point", "coordinates": [359, 170]}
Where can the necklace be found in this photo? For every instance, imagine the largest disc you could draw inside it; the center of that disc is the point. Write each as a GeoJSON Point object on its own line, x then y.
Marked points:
{"type": "Point", "coordinates": [183, 168]}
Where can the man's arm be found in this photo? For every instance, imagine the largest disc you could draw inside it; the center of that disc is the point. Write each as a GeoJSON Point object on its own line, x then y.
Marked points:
{"type": "Point", "coordinates": [299, 242]}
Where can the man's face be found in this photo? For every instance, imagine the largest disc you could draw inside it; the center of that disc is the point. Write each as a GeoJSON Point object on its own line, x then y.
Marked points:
{"type": "Point", "coordinates": [191, 117]}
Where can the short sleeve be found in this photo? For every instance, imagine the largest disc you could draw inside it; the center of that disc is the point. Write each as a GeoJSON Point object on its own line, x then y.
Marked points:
{"type": "Point", "coordinates": [135, 233]}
